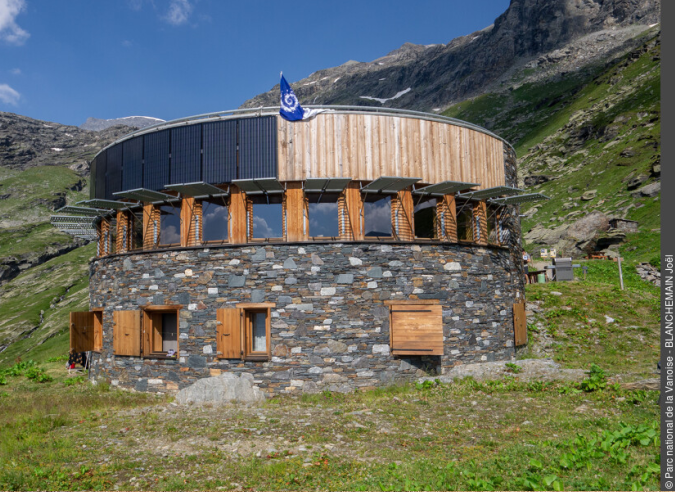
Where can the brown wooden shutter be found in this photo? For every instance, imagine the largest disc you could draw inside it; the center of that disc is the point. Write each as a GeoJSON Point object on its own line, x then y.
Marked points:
{"type": "Point", "coordinates": [228, 333]}
{"type": "Point", "coordinates": [294, 212]}
{"type": "Point", "coordinates": [416, 329]}
{"type": "Point", "coordinates": [520, 323]}
{"type": "Point", "coordinates": [98, 331]}
{"type": "Point", "coordinates": [127, 333]}
{"type": "Point", "coordinates": [81, 331]}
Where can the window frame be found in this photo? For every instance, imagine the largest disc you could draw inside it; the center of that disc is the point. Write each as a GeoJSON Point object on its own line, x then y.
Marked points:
{"type": "Point", "coordinates": [177, 207]}
{"type": "Point", "coordinates": [265, 199]}
{"type": "Point", "coordinates": [147, 330]}
{"type": "Point", "coordinates": [223, 202]}
{"type": "Point", "coordinates": [308, 201]}
{"type": "Point", "coordinates": [436, 222]}
{"type": "Point", "coordinates": [392, 226]}
{"type": "Point", "coordinates": [247, 333]}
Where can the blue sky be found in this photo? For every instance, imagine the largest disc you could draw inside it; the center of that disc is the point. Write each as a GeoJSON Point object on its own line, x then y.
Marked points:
{"type": "Point", "coordinates": [66, 60]}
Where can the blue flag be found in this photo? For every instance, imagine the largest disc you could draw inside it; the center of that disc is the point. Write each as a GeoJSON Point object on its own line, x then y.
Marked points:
{"type": "Point", "coordinates": [290, 106]}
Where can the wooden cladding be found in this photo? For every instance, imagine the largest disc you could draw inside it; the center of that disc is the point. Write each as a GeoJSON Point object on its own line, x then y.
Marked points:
{"type": "Point", "coordinates": [402, 216]}
{"type": "Point", "coordinates": [350, 213]}
{"type": "Point", "coordinates": [124, 231]}
{"type": "Point", "coordinates": [191, 222]}
{"type": "Point", "coordinates": [151, 223]}
{"type": "Point", "coordinates": [416, 329]}
{"type": "Point", "coordinates": [365, 147]}
{"type": "Point", "coordinates": [86, 331]}
{"type": "Point", "coordinates": [446, 218]}
{"type": "Point", "coordinates": [520, 323]}
{"type": "Point", "coordinates": [295, 213]}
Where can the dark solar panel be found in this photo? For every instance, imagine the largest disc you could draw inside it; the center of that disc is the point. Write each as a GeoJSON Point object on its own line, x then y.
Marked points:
{"type": "Point", "coordinates": [101, 167]}
{"type": "Point", "coordinates": [133, 164]}
{"type": "Point", "coordinates": [113, 177]}
{"type": "Point", "coordinates": [220, 152]}
{"type": "Point", "coordinates": [156, 167]}
{"type": "Point", "coordinates": [257, 147]}
{"type": "Point", "coordinates": [186, 144]}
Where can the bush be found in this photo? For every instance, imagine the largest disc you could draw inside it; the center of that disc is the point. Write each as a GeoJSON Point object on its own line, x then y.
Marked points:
{"type": "Point", "coordinates": [596, 380]}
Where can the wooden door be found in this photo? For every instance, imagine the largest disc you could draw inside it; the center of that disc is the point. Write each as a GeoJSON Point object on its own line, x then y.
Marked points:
{"type": "Point", "coordinates": [228, 333]}
{"type": "Point", "coordinates": [520, 323]}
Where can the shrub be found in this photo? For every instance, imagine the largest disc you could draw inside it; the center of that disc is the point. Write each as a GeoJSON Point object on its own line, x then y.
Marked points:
{"type": "Point", "coordinates": [596, 380]}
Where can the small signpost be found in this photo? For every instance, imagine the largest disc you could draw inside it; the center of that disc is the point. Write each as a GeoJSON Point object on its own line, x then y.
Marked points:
{"type": "Point", "coordinates": [620, 273]}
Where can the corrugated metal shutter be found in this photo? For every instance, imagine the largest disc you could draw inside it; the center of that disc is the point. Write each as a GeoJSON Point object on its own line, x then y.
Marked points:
{"type": "Point", "coordinates": [220, 151]}
{"type": "Point", "coordinates": [113, 177]}
{"type": "Point", "coordinates": [186, 144]}
{"type": "Point", "coordinates": [258, 147]}
{"type": "Point", "coordinates": [101, 168]}
{"type": "Point", "coordinates": [156, 168]}
{"type": "Point", "coordinates": [132, 177]}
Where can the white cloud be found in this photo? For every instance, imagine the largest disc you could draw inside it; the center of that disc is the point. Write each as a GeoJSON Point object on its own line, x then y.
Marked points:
{"type": "Point", "coordinates": [15, 71]}
{"type": "Point", "coordinates": [9, 95]}
{"type": "Point", "coordinates": [10, 32]}
{"type": "Point", "coordinates": [179, 12]}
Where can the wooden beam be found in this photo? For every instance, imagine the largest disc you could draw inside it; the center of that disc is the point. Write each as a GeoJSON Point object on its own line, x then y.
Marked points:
{"type": "Point", "coordinates": [296, 228]}
{"type": "Point", "coordinates": [238, 206]}
{"type": "Point", "coordinates": [124, 231]}
{"type": "Point", "coordinates": [446, 218]}
{"type": "Point", "coordinates": [402, 215]}
{"type": "Point", "coordinates": [350, 210]}
{"type": "Point", "coordinates": [190, 222]}
{"type": "Point", "coordinates": [151, 225]}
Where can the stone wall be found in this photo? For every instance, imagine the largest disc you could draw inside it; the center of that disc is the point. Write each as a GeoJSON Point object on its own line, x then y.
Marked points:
{"type": "Point", "coordinates": [329, 326]}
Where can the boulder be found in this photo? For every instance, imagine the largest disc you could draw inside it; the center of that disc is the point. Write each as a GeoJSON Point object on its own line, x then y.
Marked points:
{"type": "Point", "coordinates": [221, 389]}
{"type": "Point", "coordinates": [650, 190]}
{"type": "Point", "coordinates": [637, 181]}
{"type": "Point", "coordinates": [589, 195]}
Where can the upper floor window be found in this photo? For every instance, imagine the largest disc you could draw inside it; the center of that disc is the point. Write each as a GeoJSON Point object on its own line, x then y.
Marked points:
{"type": "Point", "coordinates": [169, 225]}
{"type": "Point", "coordinates": [377, 215]}
{"type": "Point", "coordinates": [465, 222]}
{"type": "Point", "coordinates": [425, 218]}
{"type": "Point", "coordinates": [323, 215]}
{"type": "Point", "coordinates": [266, 220]}
{"type": "Point", "coordinates": [215, 221]}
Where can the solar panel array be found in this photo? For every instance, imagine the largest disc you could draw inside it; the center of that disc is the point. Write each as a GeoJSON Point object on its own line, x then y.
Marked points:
{"type": "Point", "coordinates": [215, 152]}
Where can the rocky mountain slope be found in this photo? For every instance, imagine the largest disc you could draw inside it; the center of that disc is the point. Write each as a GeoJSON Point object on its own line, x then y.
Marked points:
{"type": "Point", "coordinates": [433, 77]}
{"type": "Point", "coordinates": [97, 125]}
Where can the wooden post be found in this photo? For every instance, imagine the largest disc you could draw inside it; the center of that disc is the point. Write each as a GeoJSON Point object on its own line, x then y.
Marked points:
{"type": "Point", "coordinates": [104, 238]}
{"type": "Point", "coordinates": [446, 218]}
{"type": "Point", "coordinates": [151, 225]}
{"type": "Point", "coordinates": [480, 220]}
{"type": "Point", "coordinates": [190, 222]}
{"type": "Point", "coordinates": [350, 209]}
{"type": "Point", "coordinates": [124, 231]}
{"type": "Point", "coordinates": [402, 215]}
{"type": "Point", "coordinates": [296, 229]}
{"type": "Point", "coordinates": [238, 207]}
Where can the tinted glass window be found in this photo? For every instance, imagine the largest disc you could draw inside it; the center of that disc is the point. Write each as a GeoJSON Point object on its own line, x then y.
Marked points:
{"type": "Point", "coordinates": [137, 233]}
{"type": "Point", "coordinates": [267, 220]}
{"type": "Point", "coordinates": [169, 227]}
{"type": "Point", "coordinates": [465, 223]}
{"type": "Point", "coordinates": [323, 215]}
{"type": "Point", "coordinates": [215, 223]}
{"type": "Point", "coordinates": [377, 216]}
{"type": "Point", "coordinates": [425, 218]}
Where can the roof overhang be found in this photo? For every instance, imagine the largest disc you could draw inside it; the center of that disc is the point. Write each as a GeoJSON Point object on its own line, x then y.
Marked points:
{"type": "Point", "coordinates": [111, 204]}
{"type": "Point", "coordinates": [145, 195]}
{"type": "Point", "coordinates": [326, 185]}
{"type": "Point", "coordinates": [518, 199]}
{"type": "Point", "coordinates": [259, 186]}
{"type": "Point", "coordinates": [487, 193]}
{"type": "Point", "coordinates": [445, 188]}
{"type": "Point", "coordinates": [198, 190]}
{"type": "Point", "coordinates": [389, 184]}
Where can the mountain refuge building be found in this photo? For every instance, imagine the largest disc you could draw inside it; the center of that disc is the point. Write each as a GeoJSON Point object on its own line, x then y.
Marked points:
{"type": "Point", "coordinates": [356, 249]}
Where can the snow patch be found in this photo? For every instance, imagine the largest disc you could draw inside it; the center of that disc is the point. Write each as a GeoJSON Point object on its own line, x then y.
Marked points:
{"type": "Point", "coordinates": [336, 80]}
{"type": "Point", "coordinates": [382, 101]}
{"type": "Point", "coordinates": [57, 149]}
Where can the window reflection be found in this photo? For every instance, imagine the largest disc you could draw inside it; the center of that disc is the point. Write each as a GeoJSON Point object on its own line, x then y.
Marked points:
{"type": "Point", "coordinates": [214, 221]}
{"type": "Point", "coordinates": [136, 233]}
{"type": "Point", "coordinates": [323, 215]}
{"type": "Point", "coordinates": [377, 216]}
{"type": "Point", "coordinates": [267, 218]}
{"type": "Point", "coordinates": [169, 225]}
{"type": "Point", "coordinates": [464, 223]}
{"type": "Point", "coordinates": [425, 218]}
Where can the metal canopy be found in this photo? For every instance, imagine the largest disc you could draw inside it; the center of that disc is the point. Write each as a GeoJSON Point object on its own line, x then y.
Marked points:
{"type": "Point", "coordinates": [145, 195]}
{"type": "Point", "coordinates": [389, 184]}
{"type": "Point", "coordinates": [113, 204]}
{"type": "Point", "coordinates": [490, 192]}
{"type": "Point", "coordinates": [445, 188]}
{"type": "Point", "coordinates": [259, 186]}
{"type": "Point", "coordinates": [518, 199]}
{"type": "Point", "coordinates": [326, 185]}
{"type": "Point", "coordinates": [82, 232]}
{"type": "Point", "coordinates": [74, 220]}
{"type": "Point", "coordinates": [198, 190]}
{"type": "Point", "coordinates": [94, 212]}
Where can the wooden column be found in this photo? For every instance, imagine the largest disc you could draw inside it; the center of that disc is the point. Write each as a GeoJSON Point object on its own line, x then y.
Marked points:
{"type": "Point", "coordinates": [104, 231]}
{"type": "Point", "coordinates": [480, 219]}
{"type": "Point", "coordinates": [190, 222]}
{"type": "Point", "coordinates": [124, 231]}
{"type": "Point", "coordinates": [296, 228]}
{"type": "Point", "coordinates": [151, 225]}
{"type": "Point", "coordinates": [446, 218]}
{"type": "Point", "coordinates": [350, 210]}
{"type": "Point", "coordinates": [402, 215]}
{"type": "Point", "coordinates": [238, 206]}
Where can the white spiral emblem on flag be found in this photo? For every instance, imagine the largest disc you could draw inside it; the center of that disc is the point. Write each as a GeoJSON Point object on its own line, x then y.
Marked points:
{"type": "Point", "coordinates": [290, 102]}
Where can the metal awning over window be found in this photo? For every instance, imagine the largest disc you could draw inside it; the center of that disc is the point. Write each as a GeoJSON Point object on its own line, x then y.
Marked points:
{"type": "Point", "coordinates": [198, 190]}
{"type": "Point", "coordinates": [388, 184]}
{"type": "Point", "coordinates": [326, 185]}
{"type": "Point", "coordinates": [113, 204]}
{"type": "Point", "coordinates": [73, 220]}
{"type": "Point", "coordinates": [490, 192]}
{"type": "Point", "coordinates": [518, 199]}
{"type": "Point", "coordinates": [444, 188]}
{"type": "Point", "coordinates": [93, 212]}
{"type": "Point", "coordinates": [259, 186]}
{"type": "Point", "coordinates": [88, 233]}
{"type": "Point", "coordinates": [145, 195]}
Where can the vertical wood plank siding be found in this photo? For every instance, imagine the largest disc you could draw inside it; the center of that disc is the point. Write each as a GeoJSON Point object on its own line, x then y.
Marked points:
{"type": "Point", "coordinates": [365, 147]}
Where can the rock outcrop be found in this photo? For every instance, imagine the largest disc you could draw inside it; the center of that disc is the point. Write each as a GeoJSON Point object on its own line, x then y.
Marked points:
{"type": "Point", "coordinates": [225, 388]}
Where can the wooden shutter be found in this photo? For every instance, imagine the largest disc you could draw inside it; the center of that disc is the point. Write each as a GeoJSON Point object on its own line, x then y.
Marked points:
{"type": "Point", "coordinates": [81, 331]}
{"type": "Point", "coordinates": [127, 333]}
{"type": "Point", "coordinates": [520, 323]}
{"type": "Point", "coordinates": [295, 211]}
{"type": "Point", "coordinates": [98, 331]}
{"type": "Point", "coordinates": [416, 329]}
{"type": "Point", "coordinates": [228, 333]}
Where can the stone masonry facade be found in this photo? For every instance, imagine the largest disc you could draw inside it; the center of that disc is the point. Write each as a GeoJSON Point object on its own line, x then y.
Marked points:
{"type": "Point", "coordinates": [329, 326]}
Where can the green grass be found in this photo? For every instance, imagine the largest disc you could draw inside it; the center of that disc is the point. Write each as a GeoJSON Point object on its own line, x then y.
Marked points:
{"type": "Point", "coordinates": [32, 238]}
